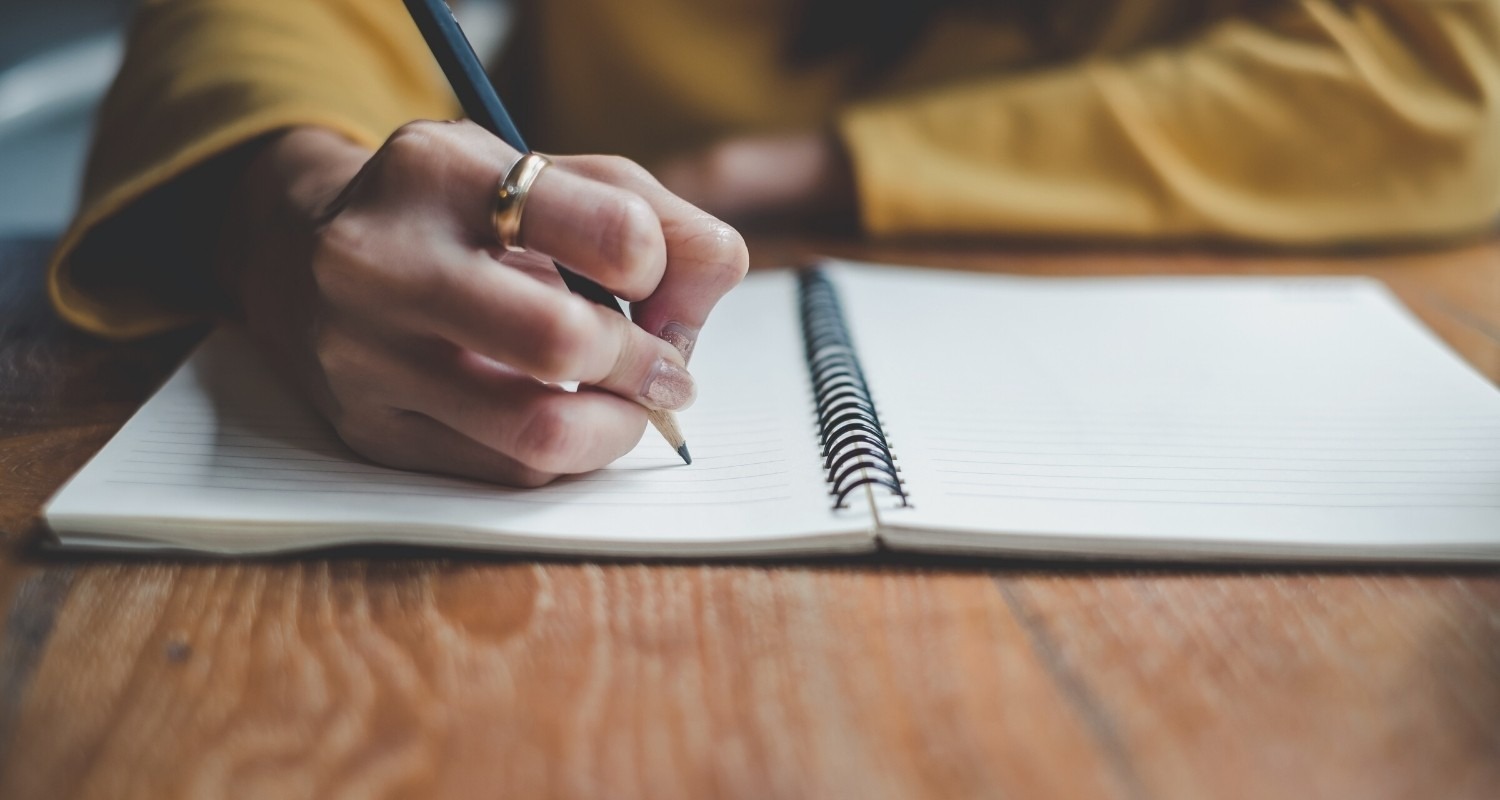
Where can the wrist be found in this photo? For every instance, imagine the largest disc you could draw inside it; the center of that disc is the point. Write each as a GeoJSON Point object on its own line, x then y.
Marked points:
{"type": "Point", "coordinates": [285, 189]}
{"type": "Point", "coordinates": [300, 171]}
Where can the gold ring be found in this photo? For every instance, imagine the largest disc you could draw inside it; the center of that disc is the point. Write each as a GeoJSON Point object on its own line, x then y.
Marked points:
{"type": "Point", "coordinates": [510, 199]}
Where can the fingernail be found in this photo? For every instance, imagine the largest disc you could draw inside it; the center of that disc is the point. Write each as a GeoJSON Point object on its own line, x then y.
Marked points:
{"type": "Point", "coordinates": [681, 337]}
{"type": "Point", "coordinates": [668, 386]}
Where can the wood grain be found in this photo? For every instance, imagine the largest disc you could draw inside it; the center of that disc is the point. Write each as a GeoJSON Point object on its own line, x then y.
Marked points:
{"type": "Point", "coordinates": [328, 679]}
{"type": "Point", "coordinates": [1306, 685]}
{"type": "Point", "coordinates": [414, 674]}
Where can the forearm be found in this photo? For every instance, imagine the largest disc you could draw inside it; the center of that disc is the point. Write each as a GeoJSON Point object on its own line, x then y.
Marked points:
{"type": "Point", "coordinates": [1319, 124]}
{"type": "Point", "coordinates": [202, 84]}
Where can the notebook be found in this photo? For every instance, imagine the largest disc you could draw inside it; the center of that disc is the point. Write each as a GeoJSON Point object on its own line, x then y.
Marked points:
{"type": "Point", "coordinates": [854, 406]}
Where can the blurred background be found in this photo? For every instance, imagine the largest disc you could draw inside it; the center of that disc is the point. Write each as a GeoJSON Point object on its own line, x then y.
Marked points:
{"type": "Point", "coordinates": [56, 61]}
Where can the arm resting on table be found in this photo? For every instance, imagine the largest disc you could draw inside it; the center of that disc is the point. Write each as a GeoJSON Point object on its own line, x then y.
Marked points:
{"type": "Point", "coordinates": [1316, 123]}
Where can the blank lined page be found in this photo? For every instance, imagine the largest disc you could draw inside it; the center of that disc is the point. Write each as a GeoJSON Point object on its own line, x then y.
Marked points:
{"type": "Point", "coordinates": [223, 458]}
{"type": "Point", "coordinates": [1176, 417]}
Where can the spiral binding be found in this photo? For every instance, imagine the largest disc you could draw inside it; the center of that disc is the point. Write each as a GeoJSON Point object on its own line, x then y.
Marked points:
{"type": "Point", "coordinates": [855, 452]}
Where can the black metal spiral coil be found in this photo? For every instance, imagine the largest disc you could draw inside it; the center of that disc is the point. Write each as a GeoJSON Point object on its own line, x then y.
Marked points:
{"type": "Point", "coordinates": [855, 452]}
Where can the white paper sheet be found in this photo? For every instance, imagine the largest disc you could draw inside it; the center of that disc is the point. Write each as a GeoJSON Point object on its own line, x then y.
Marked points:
{"type": "Point", "coordinates": [224, 459]}
{"type": "Point", "coordinates": [1175, 417]}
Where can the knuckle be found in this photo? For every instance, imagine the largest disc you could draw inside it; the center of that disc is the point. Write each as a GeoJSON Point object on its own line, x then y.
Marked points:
{"type": "Point", "coordinates": [564, 342]}
{"type": "Point", "coordinates": [625, 170]}
{"type": "Point", "coordinates": [612, 169]}
{"type": "Point", "coordinates": [354, 268]}
{"type": "Point", "coordinates": [629, 238]}
{"type": "Point", "coordinates": [415, 135]}
{"type": "Point", "coordinates": [336, 260]}
{"type": "Point", "coordinates": [410, 151]}
{"type": "Point", "coordinates": [547, 438]}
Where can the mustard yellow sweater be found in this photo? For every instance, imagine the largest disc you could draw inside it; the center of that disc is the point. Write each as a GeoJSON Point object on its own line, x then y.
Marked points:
{"type": "Point", "coordinates": [1311, 122]}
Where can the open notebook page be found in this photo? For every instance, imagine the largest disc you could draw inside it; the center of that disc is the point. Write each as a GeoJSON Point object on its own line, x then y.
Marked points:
{"type": "Point", "coordinates": [224, 459]}
{"type": "Point", "coordinates": [1255, 417]}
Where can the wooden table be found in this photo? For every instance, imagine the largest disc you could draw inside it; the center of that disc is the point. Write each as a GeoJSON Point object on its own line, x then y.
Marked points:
{"type": "Point", "coordinates": [420, 674]}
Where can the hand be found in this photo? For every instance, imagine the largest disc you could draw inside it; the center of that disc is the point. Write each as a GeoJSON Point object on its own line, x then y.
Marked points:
{"type": "Point", "coordinates": [376, 281]}
{"type": "Point", "coordinates": [788, 176]}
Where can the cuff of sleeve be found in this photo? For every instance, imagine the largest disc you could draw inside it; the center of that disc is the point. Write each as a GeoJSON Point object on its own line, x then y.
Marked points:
{"type": "Point", "coordinates": [133, 317]}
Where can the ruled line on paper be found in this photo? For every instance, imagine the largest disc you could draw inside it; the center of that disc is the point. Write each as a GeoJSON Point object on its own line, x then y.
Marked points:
{"type": "Point", "coordinates": [1128, 452]}
{"type": "Point", "coordinates": [366, 469]}
{"type": "Point", "coordinates": [345, 457]}
{"type": "Point", "coordinates": [227, 437]}
{"type": "Point", "coordinates": [224, 456]}
{"type": "Point", "coordinates": [562, 487]}
{"type": "Point", "coordinates": [1385, 434]}
{"type": "Point", "coordinates": [1302, 466]}
{"type": "Point", "coordinates": [1468, 442]}
{"type": "Point", "coordinates": [215, 412]}
{"type": "Point", "coordinates": [1124, 413]}
{"type": "Point", "coordinates": [217, 436]}
{"type": "Point", "coordinates": [391, 477]}
{"type": "Point", "coordinates": [1293, 460]}
{"type": "Point", "coordinates": [1002, 417]}
{"type": "Point", "coordinates": [1330, 478]}
{"type": "Point", "coordinates": [1335, 478]}
{"type": "Point", "coordinates": [744, 463]}
{"type": "Point", "coordinates": [715, 431]}
{"type": "Point", "coordinates": [217, 459]}
{"type": "Point", "coordinates": [534, 496]}
{"type": "Point", "coordinates": [1447, 504]}
{"type": "Point", "coordinates": [1197, 456]}
{"type": "Point", "coordinates": [260, 440]}
{"type": "Point", "coordinates": [1238, 480]}
{"type": "Point", "coordinates": [1248, 442]}
{"type": "Point", "coordinates": [662, 481]}
{"type": "Point", "coordinates": [1005, 421]}
{"type": "Point", "coordinates": [983, 407]}
{"type": "Point", "coordinates": [218, 424]}
{"type": "Point", "coordinates": [1177, 487]}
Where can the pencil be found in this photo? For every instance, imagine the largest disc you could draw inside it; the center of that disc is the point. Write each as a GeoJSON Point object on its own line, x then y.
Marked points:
{"type": "Point", "coordinates": [471, 83]}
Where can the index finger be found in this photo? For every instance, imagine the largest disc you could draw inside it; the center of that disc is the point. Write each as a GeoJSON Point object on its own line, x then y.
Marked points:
{"type": "Point", "coordinates": [706, 257]}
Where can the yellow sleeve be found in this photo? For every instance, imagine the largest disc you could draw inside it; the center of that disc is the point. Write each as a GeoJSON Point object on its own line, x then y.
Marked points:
{"type": "Point", "coordinates": [200, 78]}
{"type": "Point", "coordinates": [1318, 123]}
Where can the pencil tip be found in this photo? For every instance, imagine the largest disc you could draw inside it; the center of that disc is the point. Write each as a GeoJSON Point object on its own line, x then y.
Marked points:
{"type": "Point", "coordinates": [683, 451]}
